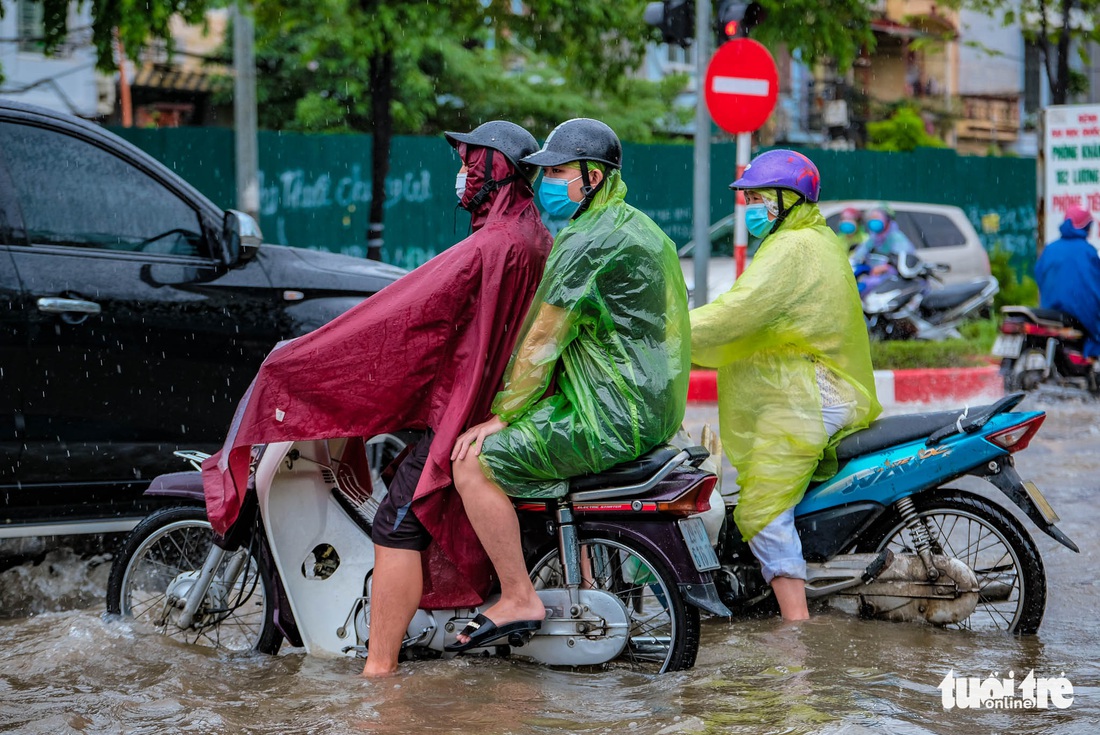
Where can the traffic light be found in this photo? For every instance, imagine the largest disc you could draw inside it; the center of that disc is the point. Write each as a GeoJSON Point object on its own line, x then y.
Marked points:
{"type": "Point", "coordinates": [675, 18]}
{"type": "Point", "coordinates": [736, 19]}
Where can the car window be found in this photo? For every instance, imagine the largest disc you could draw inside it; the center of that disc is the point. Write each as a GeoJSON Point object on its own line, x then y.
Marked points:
{"type": "Point", "coordinates": [936, 230]}
{"type": "Point", "coordinates": [71, 192]}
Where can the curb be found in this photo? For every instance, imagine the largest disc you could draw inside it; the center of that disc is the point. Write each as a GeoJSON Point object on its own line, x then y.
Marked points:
{"type": "Point", "coordinates": [923, 385]}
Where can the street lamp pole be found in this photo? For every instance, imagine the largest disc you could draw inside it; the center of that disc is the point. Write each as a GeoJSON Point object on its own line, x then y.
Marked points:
{"type": "Point", "coordinates": [701, 190]}
{"type": "Point", "coordinates": [244, 111]}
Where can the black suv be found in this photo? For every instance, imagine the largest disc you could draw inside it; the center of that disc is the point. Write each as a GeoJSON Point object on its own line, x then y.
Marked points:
{"type": "Point", "coordinates": [133, 315]}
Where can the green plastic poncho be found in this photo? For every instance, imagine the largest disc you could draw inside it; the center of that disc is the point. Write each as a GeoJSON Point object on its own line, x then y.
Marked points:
{"type": "Point", "coordinates": [794, 310]}
{"type": "Point", "coordinates": [608, 328]}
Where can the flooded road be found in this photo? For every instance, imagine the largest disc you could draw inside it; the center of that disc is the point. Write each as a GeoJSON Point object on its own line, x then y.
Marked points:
{"type": "Point", "coordinates": [67, 669]}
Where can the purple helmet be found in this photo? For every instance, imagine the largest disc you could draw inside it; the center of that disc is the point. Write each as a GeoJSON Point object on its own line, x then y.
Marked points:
{"type": "Point", "coordinates": [782, 169]}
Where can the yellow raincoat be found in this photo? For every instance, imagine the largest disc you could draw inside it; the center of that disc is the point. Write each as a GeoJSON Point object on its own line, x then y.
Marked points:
{"type": "Point", "coordinates": [608, 329]}
{"type": "Point", "coordinates": [795, 305]}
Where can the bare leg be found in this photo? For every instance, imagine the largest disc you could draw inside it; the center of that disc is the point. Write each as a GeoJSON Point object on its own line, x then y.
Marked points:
{"type": "Point", "coordinates": [494, 520]}
{"type": "Point", "coordinates": [791, 595]}
{"type": "Point", "coordinates": [396, 586]}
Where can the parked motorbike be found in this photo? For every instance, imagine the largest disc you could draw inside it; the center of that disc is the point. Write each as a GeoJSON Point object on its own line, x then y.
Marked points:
{"type": "Point", "coordinates": [1044, 349]}
{"type": "Point", "coordinates": [906, 305]}
{"type": "Point", "coordinates": [622, 562]}
{"type": "Point", "coordinates": [888, 536]}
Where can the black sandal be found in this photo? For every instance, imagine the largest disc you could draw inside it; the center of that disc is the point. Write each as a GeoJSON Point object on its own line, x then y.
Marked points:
{"type": "Point", "coordinates": [482, 631]}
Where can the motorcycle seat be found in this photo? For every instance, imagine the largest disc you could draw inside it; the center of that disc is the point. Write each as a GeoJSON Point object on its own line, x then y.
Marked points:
{"type": "Point", "coordinates": [174, 483]}
{"type": "Point", "coordinates": [894, 430]}
{"type": "Point", "coordinates": [628, 473]}
{"type": "Point", "coordinates": [949, 297]}
{"type": "Point", "coordinates": [1046, 317]}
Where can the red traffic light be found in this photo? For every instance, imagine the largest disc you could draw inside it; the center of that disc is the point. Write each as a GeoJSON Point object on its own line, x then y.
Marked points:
{"type": "Point", "coordinates": [731, 29]}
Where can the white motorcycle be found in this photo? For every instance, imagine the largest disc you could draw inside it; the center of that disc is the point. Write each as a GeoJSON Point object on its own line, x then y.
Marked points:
{"type": "Point", "coordinates": [905, 305]}
{"type": "Point", "coordinates": [623, 562]}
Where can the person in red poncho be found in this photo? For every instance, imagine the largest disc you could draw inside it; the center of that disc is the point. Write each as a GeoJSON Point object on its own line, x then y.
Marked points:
{"type": "Point", "coordinates": [427, 352]}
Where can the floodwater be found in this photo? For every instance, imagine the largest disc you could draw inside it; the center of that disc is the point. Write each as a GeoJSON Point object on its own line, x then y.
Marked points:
{"type": "Point", "coordinates": [65, 668]}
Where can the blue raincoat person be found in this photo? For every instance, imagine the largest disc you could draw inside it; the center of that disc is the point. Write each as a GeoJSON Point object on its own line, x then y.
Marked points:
{"type": "Point", "coordinates": [885, 242]}
{"type": "Point", "coordinates": [1068, 273]}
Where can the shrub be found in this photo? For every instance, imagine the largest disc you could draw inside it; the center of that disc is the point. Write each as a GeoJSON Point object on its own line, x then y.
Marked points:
{"type": "Point", "coordinates": [970, 351]}
{"type": "Point", "coordinates": [1017, 290]}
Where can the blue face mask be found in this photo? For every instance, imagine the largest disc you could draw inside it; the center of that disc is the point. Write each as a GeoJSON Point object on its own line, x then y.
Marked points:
{"type": "Point", "coordinates": [756, 219]}
{"type": "Point", "coordinates": [554, 198]}
{"type": "Point", "coordinates": [876, 226]}
{"type": "Point", "coordinates": [847, 227]}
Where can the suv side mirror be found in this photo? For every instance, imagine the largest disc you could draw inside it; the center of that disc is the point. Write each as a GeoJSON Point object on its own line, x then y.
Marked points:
{"type": "Point", "coordinates": [241, 235]}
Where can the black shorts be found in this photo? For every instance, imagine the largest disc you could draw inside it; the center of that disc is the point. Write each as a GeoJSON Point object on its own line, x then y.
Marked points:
{"type": "Point", "coordinates": [395, 524]}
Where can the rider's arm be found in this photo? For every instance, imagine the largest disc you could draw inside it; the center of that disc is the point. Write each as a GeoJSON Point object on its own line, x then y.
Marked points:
{"type": "Point", "coordinates": [724, 330]}
{"type": "Point", "coordinates": [532, 366]}
{"type": "Point", "coordinates": [859, 255]}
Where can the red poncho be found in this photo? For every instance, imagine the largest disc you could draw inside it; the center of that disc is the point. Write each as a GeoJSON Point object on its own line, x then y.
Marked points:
{"type": "Point", "coordinates": [428, 351]}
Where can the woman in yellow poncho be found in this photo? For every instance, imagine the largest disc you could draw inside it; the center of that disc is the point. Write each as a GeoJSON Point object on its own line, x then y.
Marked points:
{"type": "Point", "coordinates": [794, 363]}
{"type": "Point", "coordinates": [599, 375]}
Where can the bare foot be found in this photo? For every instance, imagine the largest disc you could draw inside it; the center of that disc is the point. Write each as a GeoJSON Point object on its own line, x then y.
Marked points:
{"type": "Point", "coordinates": [508, 611]}
{"type": "Point", "coordinates": [371, 671]}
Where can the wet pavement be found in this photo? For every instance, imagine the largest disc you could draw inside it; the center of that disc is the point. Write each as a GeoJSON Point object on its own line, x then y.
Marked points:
{"type": "Point", "coordinates": [65, 668]}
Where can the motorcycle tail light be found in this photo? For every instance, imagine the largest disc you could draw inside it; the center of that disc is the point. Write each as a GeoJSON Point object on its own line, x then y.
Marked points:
{"type": "Point", "coordinates": [1036, 330]}
{"type": "Point", "coordinates": [1077, 359]}
{"type": "Point", "coordinates": [1016, 438]}
{"type": "Point", "coordinates": [1011, 327]}
{"type": "Point", "coordinates": [696, 499]}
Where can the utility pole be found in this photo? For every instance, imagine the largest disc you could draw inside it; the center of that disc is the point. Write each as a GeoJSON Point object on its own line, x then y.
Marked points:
{"type": "Point", "coordinates": [701, 189]}
{"type": "Point", "coordinates": [244, 112]}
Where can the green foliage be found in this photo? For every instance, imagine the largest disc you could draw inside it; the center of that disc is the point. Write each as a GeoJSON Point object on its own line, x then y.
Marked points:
{"type": "Point", "coordinates": [459, 64]}
{"type": "Point", "coordinates": [970, 351]}
{"type": "Point", "coordinates": [1046, 24]}
{"type": "Point", "coordinates": [818, 30]}
{"type": "Point", "coordinates": [904, 131]}
{"type": "Point", "coordinates": [1015, 289]}
{"type": "Point", "coordinates": [137, 22]}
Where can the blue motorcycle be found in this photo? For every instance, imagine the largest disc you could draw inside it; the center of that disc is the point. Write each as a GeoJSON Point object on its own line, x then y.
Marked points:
{"type": "Point", "coordinates": [888, 537]}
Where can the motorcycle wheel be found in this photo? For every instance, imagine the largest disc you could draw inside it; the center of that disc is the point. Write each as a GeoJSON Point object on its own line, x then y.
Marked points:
{"type": "Point", "coordinates": [237, 615]}
{"type": "Point", "coordinates": [664, 629]}
{"type": "Point", "coordinates": [1026, 380]}
{"type": "Point", "coordinates": [1008, 375]}
{"type": "Point", "coordinates": [1003, 556]}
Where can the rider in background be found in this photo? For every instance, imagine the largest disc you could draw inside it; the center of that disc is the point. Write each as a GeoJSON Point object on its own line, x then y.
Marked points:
{"type": "Point", "coordinates": [600, 372]}
{"type": "Point", "coordinates": [794, 363]}
{"type": "Point", "coordinates": [850, 228]}
{"type": "Point", "coordinates": [885, 243]}
{"type": "Point", "coordinates": [1068, 274]}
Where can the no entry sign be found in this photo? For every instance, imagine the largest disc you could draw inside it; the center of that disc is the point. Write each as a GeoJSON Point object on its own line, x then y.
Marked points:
{"type": "Point", "coordinates": [741, 85]}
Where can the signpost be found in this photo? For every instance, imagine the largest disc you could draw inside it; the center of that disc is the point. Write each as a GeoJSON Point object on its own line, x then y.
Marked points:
{"type": "Point", "coordinates": [1071, 166]}
{"type": "Point", "coordinates": [741, 87]}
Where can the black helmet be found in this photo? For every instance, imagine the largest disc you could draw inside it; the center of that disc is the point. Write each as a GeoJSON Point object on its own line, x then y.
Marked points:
{"type": "Point", "coordinates": [579, 139]}
{"type": "Point", "coordinates": [507, 137]}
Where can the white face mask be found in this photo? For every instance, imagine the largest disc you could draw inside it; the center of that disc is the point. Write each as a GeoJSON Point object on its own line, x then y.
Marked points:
{"type": "Point", "coordinates": [460, 186]}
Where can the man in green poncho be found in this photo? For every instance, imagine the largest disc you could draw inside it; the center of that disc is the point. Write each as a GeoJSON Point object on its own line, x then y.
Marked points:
{"type": "Point", "coordinates": [600, 372]}
{"type": "Point", "coordinates": [794, 363]}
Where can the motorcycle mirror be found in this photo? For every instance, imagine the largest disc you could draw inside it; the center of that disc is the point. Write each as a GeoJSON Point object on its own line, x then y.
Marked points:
{"type": "Point", "coordinates": [909, 265]}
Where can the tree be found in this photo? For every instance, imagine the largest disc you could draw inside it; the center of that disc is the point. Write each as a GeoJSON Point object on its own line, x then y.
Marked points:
{"type": "Point", "coordinates": [904, 131]}
{"type": "Point", "coordinates": [384, 66]}
{"type": "Point", "coordinates": [818, 29]}
{"type": "Point", "coordinates": [1059, 28]}
{"type": "Point", "coordinates": [135, 23]}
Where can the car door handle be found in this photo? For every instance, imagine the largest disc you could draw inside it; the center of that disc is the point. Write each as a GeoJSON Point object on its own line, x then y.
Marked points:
{"type": "Point", "coordinates": [67, 306]}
